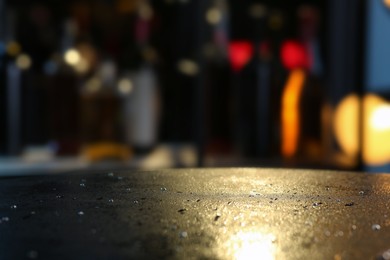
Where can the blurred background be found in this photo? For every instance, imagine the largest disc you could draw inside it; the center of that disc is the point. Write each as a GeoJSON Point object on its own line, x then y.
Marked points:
{"type": "Point", "coordinates": [148, 84]}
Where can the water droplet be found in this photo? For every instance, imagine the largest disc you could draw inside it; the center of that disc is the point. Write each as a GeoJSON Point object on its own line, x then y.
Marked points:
{"type": "Point", "coordinates": [136, 202]}
{"type": "Point", "coordinates": [111, 200]}
{"type": "Point", "coordinates": [354, 227]}
{"type": "Point", "coordinates": [327, 233]}
{"type": "Point", "coordinates": [339, 233]}
{"type": "Point", "coordinates": [128, 189]}
{"type": "Point", "coordinates": [183, 234]}
{"type": "Point", "coordinates": [120, 178]}
{"type": "Point", "coordinates": [14, 207]}
{"type": "Point", "coordinates": [59, 196]}
{"type": "Point", "coordinates": [80, 213]}
{"type": "Point", "coordinates": [350, 204]}
{"type": "Point", "coordinates": [163, 189]}
{"type": "Point", "coordinates": [110, 174]}
{"type": "Point", "coordinates": [82, 184]}
{"type": "Point", "coordinates": [376, 227]}
{"type": "Point", "coordinates": [361, 192]}
{"type": "Point", "coordinates": [32, 254]}
{"type": "Point", "coordinates": [217, 217]}
{"type": "Point", "coordinates": [6, 219]}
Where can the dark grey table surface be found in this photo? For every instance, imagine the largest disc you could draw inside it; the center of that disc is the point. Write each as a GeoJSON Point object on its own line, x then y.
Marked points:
{"type": "Point", "coordinates": [196, 214]}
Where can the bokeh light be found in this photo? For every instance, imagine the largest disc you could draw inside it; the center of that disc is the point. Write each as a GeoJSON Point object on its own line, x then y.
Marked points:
{"type": "Point", "coordinates": [213, 16]}
{"type": "Point", "coordinates": [23, 61]}
{"type": "Point", "coordinates": [125, 86]}
{"type": "Point", "coordinates": [387, 3]}
{"type": "Point", "coordinates": [72, 57]}
{"type": "Point", "coordinates": [376, 128]}
{"type": "Point", "coordinates": [188, 67]}
{"type": "Point", "coordinates": [240, 53]}
{"type": "Point", "coordinates": [290, 112]}
{"type": "Point", "coordinates": [13, 48]}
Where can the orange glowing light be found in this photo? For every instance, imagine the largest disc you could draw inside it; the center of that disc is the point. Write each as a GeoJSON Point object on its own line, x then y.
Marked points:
{"type": "Point", "coordinates": [290, 112]}
{"type": "Point", "coordinates": [387, 3]}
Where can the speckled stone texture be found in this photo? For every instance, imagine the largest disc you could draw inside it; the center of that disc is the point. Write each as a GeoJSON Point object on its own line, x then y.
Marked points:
{"type": "Point", "coordinates": [232, 213]}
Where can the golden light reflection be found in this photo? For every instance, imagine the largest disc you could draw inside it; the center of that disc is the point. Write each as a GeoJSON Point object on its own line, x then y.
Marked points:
{"type": "Point", "coordinates": [251, 245]}
{"type": "Point", "coordinates": [290, 112]}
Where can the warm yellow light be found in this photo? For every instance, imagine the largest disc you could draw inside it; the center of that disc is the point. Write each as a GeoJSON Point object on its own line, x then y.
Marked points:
{"type": "Point", "coordinates": [376, 139]}
{"type": "Point", "coordinates": [252, 245]}
{"type": "Point", "coordinates": [72, 57]}
{"type": "Point", "coordinates": [346, 124]}
{"type": "Point", "coordinates": [13, 48]}
{"type": "Point", "coordinates": [125, 86]}
{"type": "Point", "coordinates": [387, 3]}
{"type": "Point", "coordinates": [23, 62]}
{"type": "Point", "coordinates": [380, 118]}
{"type": "Point", "coordinates": [213, 16]}
{"type": "Point", "coordinates": [376, 128]}
{"type": "Point", "coordinates": [290, 112]}
{"type": "Point", "coordinates": [188, 67]}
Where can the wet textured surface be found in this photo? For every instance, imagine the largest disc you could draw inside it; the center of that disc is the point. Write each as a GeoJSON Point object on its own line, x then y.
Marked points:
{"type": "Point", "coordinates": [196, 214]}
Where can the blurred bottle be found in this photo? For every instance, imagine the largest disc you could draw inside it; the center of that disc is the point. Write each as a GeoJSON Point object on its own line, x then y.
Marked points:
{"type": "Point", "coordinates": [138, 86]}
{"type": "Point", "coordinates": [11, 84]}
{"type": "Point", "coordinates": [217, 89]}
{"type": "Point", "coordinates": [139, 90]}
{"type": "Point", "coordinates": [255, 89]}
{"type": "Point", "coordinates": [102, 116]}
{"type": "Point", "coordinates": [63, 92]}
{"type": "Point", "coordinates": [303, 97]}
